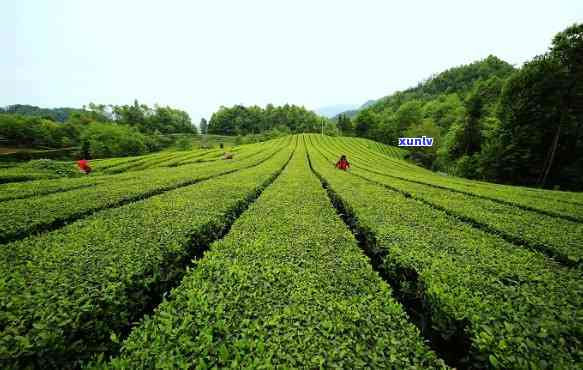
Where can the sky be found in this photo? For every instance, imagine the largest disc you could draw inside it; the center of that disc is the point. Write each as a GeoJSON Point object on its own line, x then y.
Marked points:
{"type": "Point", "coordinates": [198, 55]}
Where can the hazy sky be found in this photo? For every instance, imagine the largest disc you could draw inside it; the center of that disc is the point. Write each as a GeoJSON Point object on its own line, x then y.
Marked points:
{"type": "Point", "coordinates": [198, 55]}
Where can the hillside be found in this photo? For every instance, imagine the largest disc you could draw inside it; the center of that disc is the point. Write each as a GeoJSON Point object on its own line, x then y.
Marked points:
{"type": "Point", "coordinates": [490, 121]}
{"type": "Point", "coordinates": [276, 258]}
{"type": "Point", "coordinates": [55, 114]}
{"type": "Point", "coordinates": [351, 113]}
{"type": "Point", "coordinates": [458, 80]}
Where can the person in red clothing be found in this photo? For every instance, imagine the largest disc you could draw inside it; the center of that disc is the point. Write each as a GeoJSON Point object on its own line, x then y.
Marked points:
{"type": "Point", "coordinates": [84, 166]}
{"type": "Point", "coordinates": [343, 163]}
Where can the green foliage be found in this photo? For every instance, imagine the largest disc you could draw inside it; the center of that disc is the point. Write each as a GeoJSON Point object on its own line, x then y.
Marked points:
{"type": "Point", "coordinates": [441, 99]}
{"type": "Point", "coordinates": [541, 129]}
{"type": "Point", "coordinates": [463, 138]}
{"type": "Point", "coordinates": [60, 168]}
{"type": "Point", "coordinates": [473, 254]}
{"type": "Point", "coordinates": [30, 154]}
{"type": "Point", "coordinates": [512, 126]}
{"type": "Point", "coordinates": [113, 140]}
{"type": "Point", "coordinates": [62, 301]}
{"type": "Point", "coordinates": [365, 123]}
{"type": "Point", "coordinates": [462, 79]}
{"type": "Point", "coordinates": [203, 126]}
{"type": "Point", "coordinates": [241, 120]}
{"type": "Point", "coordinates": [557, 204]}
{"type": "Point", "coordinates": [184, 143]}
{"type": "Point", "coordinates": [165, 120]}
{"type": "Point", "coordinates": [291, 290]}
{"type": "Point", "coordinates": [54, 114]}
{"type": "Point", "coordinates": [408, 114]}
{"type": "Point", "coordinates": [458, 80]}
{"type": "Point", "coordinates": [85, 149]}
{"type": "Point", "coordinates": [20, 130]}
{"type": "Point", "coordinates": [517, 308]}
{"type": "Point", "coordinates": [145, 126]}
{"type": "Point", "coordinates": [424, 156]}
{"type": "Point", "coordinates": [38, 169]}
{"type": "Point", "coordinates": [92, 113]}
{"type": "Point", "coordinates": [468, 166]}
{"type": "Point", "coordinates": [539, 231]}
{"type": "Point", "coordinates": [238, 140]}
{"type": "Point", "coordinates": [276, 132]}
{"type": "Point", "coordinates": [21, 217]}
{"type": "Point", "coordinates": [344, 125]}
{"type": "Point", "coordinates": [445, 110]}
{"type": "Point", "coordinates": [530, 114]}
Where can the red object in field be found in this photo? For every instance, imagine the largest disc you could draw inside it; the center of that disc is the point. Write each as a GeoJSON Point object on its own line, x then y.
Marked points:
{"type": "Point", "coordinates": [342, 164]}
{"type": "Point", "coordinates": [84, 165]}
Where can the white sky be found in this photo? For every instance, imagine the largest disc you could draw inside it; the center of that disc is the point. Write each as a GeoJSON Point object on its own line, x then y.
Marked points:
{"type": "Point", "coordinates": [198, 55]}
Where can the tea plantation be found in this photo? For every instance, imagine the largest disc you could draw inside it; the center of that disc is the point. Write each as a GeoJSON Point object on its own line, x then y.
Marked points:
{"type": "Point", "coordinates": [276, 259]}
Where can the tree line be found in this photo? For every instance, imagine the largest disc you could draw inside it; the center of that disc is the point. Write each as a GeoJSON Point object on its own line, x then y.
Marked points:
{"type": "Point", "coordinates": [241, 120]}
{"type": "Point", "coordinates": [100, 130]}
{"type": "Point", "coordinates": [52, 114]}
{"type": "Point", "coordinates": [492, 121]}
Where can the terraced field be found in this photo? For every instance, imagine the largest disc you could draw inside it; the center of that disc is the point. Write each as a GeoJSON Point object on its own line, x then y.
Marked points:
{"type": "Point", "coordinates": [278, 259]}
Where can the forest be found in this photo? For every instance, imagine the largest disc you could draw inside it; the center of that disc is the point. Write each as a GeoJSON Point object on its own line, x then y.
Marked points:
{"type": "Point", "coordinates": [54, 114]}
{"type": "Point", "coordinates": [100, 130]}
{"type": "Point", "coordinates": [491, 121]}
{"type": "Point", "coordinates": [241, 120]}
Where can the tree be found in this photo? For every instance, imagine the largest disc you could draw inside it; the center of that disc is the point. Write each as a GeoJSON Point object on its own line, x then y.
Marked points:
{"type": "Point", "coordinates": [538, 138]}
{"type": "Point", "coordinates": [184, 143]}
{"type": "Point", "coordinates": [470, 140]}
{"type": "Point", "coordinates": [113, 140]}
{"type": "Point", "coordinates": [445, 110]}
{"type": "Point", "coordinates": [56, 114]}
{"type": "Point", "coordinates": [567, 49]}
{"type": "Point", "coordinates": [86, 149]}
{"type": "Point", "coordinates": [241, 120]}
{"type": "Point", "coordinates": [365, 123]}
{"type": "Point", "coordinates": [424, 156]}
{"type": "Point", "coordinates": [134, 115]}
{"type": "Point", "coordinates": [162, 119]}
{"type": "Point", "coordinates": [408, 114]}
{"type": "Point", "coordinates": [344, 125]}
{"type": "Point", "coordinates": [31, 131]}
{"type": "Point", "coordinates": [167, 121]}
{"type": "Point", "coordinates": [203, 126]}
{"type": "Point", "coordinates": [541, 113]}
{"type": "Point", "coordinates": [530, 116]}
{"type": "Point", "coordinates": [330, 127]}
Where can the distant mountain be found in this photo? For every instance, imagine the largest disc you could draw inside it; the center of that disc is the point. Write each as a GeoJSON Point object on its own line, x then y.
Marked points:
{"type": "Point", "coordinates": [354, 110]}
{"type": "Point", "coordinates": [332, 110]}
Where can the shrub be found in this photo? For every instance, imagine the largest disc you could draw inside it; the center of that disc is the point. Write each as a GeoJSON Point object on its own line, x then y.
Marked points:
{"type": "Point", "coordinates": [468, 166]}
{"type": "Point", "coordinates": [184, 143]}
{"type": "Point", "coordinates": [60, 168]}
{"type": "Point", "coordinates": [113, 140]}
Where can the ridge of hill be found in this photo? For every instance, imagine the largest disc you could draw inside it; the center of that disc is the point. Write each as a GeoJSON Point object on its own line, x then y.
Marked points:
{"type": "Point", "coordinates": [458, 79]}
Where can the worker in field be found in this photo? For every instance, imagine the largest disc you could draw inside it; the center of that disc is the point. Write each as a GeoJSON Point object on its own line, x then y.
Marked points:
{"type": "Point", "coordinates": [342, 163]}
{"type": "Point", "coordinates": [228, 155]}
{"type": "Point", "coordinates": [84, 166]}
